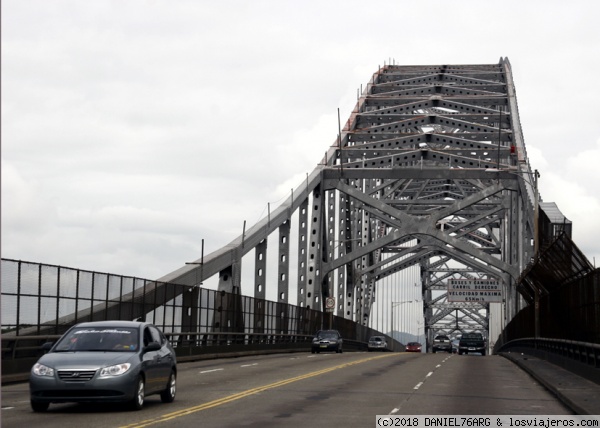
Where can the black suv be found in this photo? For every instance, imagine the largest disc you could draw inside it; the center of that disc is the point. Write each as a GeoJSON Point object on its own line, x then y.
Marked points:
{"type": "Point", "coordinates": [327, 340]}
{"type": "Point", "coordinates": [442, 343]}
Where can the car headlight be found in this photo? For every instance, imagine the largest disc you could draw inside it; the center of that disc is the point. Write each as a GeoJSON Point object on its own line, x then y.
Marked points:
{"type": "Point", "coordinates": [42, 370]}
{"type": "Point", "coordinates": [117, 370]}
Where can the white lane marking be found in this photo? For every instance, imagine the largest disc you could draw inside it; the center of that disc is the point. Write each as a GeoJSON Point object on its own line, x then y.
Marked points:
{"type": "Point", "coordinates": [438, 366]}
{"type": "Point", "coordinates": [210, 371]}
{"type": "Point", "coordinates": [249, 365]}
{"type": "Point", "coordinates": [418, 385]}
{"type": "Point", "coordinates": [428, 374]}
{"type": "Point", "coordinates": [394, 411]}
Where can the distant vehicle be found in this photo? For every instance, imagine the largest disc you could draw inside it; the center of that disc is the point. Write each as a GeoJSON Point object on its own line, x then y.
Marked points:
{"type": "Point", "coordinates": [377, 343]}
{"type": "Point", "coordinates": [471, 342]}
{"type": "Point", "coordinates": [455, 346]}
{"type": "Point", "coordinates": [413, 347]}
{"type": "Point", "coordinates": [327, 340]}
{"type": "Point", "coordinates": [441, 343]}
{"type": "Point", "coordinates": [105, 361]}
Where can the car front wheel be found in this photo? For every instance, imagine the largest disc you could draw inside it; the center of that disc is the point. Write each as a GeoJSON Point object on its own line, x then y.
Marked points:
{"type": "Point", "coordinates": [39, 407]}
{"type": "Point", "coordinates": [140, 394]}
{"type": "Point", "coordinates": [168, 395]}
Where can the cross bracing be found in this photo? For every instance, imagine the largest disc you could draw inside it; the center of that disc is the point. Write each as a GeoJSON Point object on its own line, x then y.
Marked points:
{"type": "Point", "coordinates": [429, 172]}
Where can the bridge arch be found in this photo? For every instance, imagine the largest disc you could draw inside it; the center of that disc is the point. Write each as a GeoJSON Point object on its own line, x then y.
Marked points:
{"type": "Point", "coordinates": [429, 172]}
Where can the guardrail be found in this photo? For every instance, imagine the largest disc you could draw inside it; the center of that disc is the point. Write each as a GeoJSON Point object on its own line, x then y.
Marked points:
{"type": "Point", "coordinates": [193, 346]}
{"type": "Point", "coordinates": [582, 358]}
{"type": "Point", "coordinates": [19, 353]}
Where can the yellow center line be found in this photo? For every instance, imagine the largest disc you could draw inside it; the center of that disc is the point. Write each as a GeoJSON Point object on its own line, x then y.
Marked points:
{"type": "Point", "coordinates": [243, 394]}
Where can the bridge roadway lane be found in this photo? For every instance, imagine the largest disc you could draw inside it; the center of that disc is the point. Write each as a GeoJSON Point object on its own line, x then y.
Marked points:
{"type": "Point", "coordinates": [322, 390]}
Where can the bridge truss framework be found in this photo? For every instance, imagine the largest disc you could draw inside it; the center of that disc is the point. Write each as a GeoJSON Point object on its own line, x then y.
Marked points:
{"type": "Point", "coordinates": [430, 172]}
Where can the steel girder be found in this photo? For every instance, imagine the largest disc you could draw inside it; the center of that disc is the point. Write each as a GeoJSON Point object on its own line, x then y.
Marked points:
{"type": "Point", "coordinates": [430, 170]}
{"type": "Point", "coordinates": [434, 163]}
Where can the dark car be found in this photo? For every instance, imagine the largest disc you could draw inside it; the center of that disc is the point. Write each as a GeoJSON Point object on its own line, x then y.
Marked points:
{"type": "Point", "coordinates": [327, 340]}
{"type": "Point", "coordinates": [442, 343]}
{"type": "Point", "coordinates": [413, 347]}
{"type": "Point", "coordinates": [377, 343]}
{"type": "Point", "coordinates": [105, 361]}
{"type": "Point", "coordinates": [471, 342]}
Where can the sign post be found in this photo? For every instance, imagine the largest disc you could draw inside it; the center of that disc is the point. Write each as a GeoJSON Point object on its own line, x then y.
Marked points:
{"type": "Point", "coordinates": [329, 308]}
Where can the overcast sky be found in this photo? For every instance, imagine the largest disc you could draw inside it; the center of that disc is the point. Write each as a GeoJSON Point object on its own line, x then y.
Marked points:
{"type": "Point", "coordinates": [133, 129]}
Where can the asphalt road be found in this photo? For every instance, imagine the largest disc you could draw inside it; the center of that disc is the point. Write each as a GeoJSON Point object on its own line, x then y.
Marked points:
{"type": "Point", "coordinates": [306, 390]}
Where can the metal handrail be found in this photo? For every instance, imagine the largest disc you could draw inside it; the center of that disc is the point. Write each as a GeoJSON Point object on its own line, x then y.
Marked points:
{"type": "Point", "coordinates": [582, 352]}
{"type": "Point", "coordinates": [24, 350]}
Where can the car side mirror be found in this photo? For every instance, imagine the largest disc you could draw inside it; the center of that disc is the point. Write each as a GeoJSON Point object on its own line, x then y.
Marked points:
{"type": "Point", "coordinates": [152, 346]}
{"type": "Point", "coordinates": [47, 346]}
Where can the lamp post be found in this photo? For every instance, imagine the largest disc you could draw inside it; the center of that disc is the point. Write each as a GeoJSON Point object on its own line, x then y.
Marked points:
{"type": "Point", "coordinates": [201, 264]}
{"type": "Point", "coordinates": [394, 304]}
{"type": "Point", "coordinates": [330, 292]}
{"type": "Point", "coordinates": [339, 242]}
{"type": "Point", "coordinates": [536, 247]}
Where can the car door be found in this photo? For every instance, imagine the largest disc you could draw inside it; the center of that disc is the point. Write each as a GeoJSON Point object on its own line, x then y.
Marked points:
{"type": "Point", "coordinates": [152, 362]}
{"type": "Point", "coordinates": [165, 356]}
{"type": "Point", "coordinates": [165, 360]}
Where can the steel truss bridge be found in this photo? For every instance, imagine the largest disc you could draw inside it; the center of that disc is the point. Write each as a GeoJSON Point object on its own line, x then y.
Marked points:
{"type": "Point", "coordinates": [428, 182]}
{"type": "Point", "coordinates": [429, 172]}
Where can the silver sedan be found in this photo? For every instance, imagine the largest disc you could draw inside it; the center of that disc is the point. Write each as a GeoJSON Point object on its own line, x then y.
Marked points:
{"type": "Point", "coordinates": [107, 361]}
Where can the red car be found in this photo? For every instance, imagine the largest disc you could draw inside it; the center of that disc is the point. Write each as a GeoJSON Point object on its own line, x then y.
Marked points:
{"type": "Point", "coordinates": [413, 347]}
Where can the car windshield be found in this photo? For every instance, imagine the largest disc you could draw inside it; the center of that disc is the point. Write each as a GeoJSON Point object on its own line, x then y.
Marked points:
{"type": "Point", "coordinates": [472, 336]}
{"type": "Point", "coordinates": [328, 335]}
{"type": "Point", "coordinates": [376, 339]}
{"type": "Point", "coordinates": [114, 339]}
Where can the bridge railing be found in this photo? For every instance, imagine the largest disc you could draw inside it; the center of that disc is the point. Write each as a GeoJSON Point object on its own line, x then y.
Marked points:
{"type": "Point", "coordinates": [569, 297]}
{"type": "Point", "coordinates": [565, 327]}
{"type": "Point", "coordinates": [19, 353]}
{"type": "Point", "coordinates": [193, 346]}
{"type": "Point", "coordinates": [40, 302]}
{"type": "Point", "coordinates": [41, 299]}
{"type": "Point", "coordinates": [582, 358]}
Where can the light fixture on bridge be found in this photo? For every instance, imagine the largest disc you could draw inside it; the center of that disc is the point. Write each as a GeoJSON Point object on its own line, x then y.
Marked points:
{"type": "Point", "coordinates": [393, 305]}
{"type": "Point", "coordinates": [201, 264]}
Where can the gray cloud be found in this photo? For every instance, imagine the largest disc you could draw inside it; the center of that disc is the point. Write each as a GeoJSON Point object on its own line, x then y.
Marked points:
{"type": "Point", "coordinates": [132, 130]}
